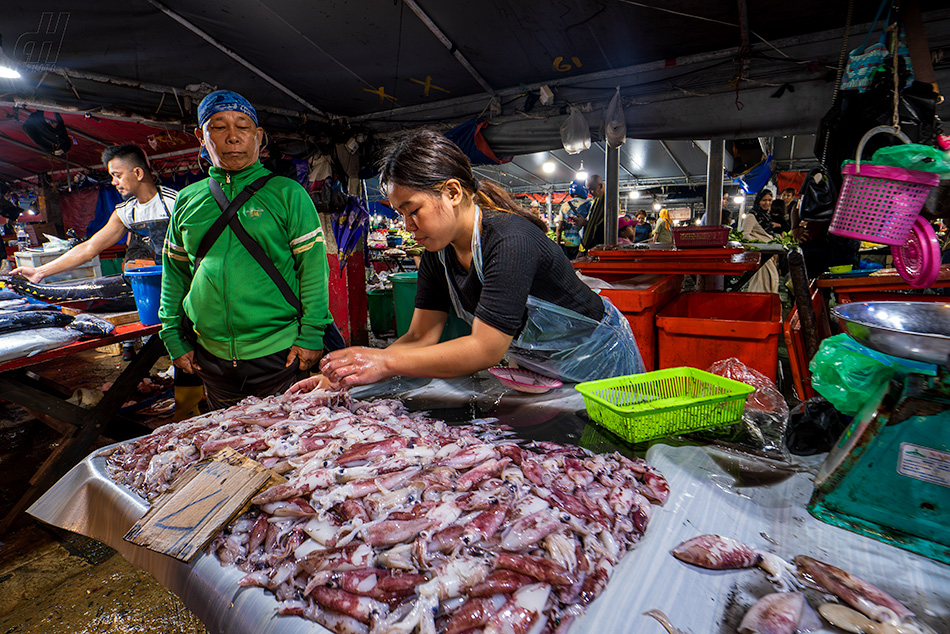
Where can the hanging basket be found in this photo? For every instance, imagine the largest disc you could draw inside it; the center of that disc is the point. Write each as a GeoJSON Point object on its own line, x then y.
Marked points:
{"type": "Point", "coordinates": [878, 203]}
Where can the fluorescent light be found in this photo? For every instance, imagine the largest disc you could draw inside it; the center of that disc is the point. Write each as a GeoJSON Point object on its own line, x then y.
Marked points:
{"type": "Point", "coordinates": [548, 167]}
{"type": "Point", "coordinates": [739, 200]}
{"type": "Point", "coordinates": [634, 194]}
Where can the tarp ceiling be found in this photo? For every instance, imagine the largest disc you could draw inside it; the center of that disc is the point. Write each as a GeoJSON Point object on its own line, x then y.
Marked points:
{"type": "Point", "coordinates": [318, 69]}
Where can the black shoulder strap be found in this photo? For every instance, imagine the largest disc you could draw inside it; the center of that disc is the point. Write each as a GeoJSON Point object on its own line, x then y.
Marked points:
{"type": "Point", "coordinates": [229, 212]}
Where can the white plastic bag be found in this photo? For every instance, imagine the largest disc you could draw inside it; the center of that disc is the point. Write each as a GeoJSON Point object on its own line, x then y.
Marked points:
{"type": "Point", "coordinates": [615, 125]}
{"type": "Point", "coordinates": [575, 133]}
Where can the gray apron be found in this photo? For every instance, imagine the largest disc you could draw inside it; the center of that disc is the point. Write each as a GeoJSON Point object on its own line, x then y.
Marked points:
{"type": "Point", "coordinates": [147, 237]}
{"type": "Point", "coordinates": [559, 342]}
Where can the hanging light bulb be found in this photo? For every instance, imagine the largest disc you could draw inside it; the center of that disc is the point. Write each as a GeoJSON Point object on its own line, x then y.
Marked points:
{"type": "Point", "coordinates": [657, 206]}
{"type": "Point", "coordinates": [634, 194]}
{"type": "Point", "coordinates": [548, 167]}
{"type": "Point", "coordinates": [581, 173]}
{"type": "Point", "coordinates": [739, 200]}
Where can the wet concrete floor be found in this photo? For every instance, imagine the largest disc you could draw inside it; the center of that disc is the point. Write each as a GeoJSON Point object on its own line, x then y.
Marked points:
{"type": "Point", "coordinates": [56, 582]}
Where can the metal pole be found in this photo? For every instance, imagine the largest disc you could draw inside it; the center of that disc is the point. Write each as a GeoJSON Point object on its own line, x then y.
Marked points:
{"type": "Point", "coordinates": [717, 148]}
{"type": "Point", "coordinates": [612, 197]}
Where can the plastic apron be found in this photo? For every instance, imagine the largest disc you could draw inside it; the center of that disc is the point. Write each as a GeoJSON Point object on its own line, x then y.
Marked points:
{"type": "Point", "coordinates": [559, 342]}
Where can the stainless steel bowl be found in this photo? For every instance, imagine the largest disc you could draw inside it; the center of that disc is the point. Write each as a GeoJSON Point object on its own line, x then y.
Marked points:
{"type": "Point", "coordinates": [912, 330]}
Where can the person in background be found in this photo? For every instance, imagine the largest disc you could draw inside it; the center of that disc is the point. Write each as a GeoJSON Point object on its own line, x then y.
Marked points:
{"type": "Point", "coordinates": [664, 227]}
{"type": "Point", "coordinates": [489, 262]}
{"type": "Point", "coordinates": [573, 212]}
{"type": "Point", "coordinates": [593, 227]}
{"type": "Point", "coordinates": [144, 201]}
{"type": "Point", "coordinates": [752, 226]}
{"type": "Point", "coordinates": [779, 218]}
{"type": "Point", "coordinates": [791, 203]}
{"type": "Point", "coordinates": [226, 319]}
{"type": "Point", "coordinates": [644, 229]}
{"type": "Point", "coordinates": [626, 230]}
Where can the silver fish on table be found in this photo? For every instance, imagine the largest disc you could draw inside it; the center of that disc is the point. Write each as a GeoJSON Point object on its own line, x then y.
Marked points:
{"type": "Point", "coordinates": [25, 343]}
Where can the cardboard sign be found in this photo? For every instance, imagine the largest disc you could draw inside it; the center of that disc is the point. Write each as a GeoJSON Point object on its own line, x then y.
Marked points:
{"type": "Point", "coordinates": [203, 499]}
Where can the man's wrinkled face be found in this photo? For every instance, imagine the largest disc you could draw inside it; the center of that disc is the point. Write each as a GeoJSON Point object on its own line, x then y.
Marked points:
{"type": "Point", "coordinates": [232, 139]}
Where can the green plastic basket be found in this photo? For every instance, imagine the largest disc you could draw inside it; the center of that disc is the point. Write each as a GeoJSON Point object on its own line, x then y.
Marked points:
{"type": "Point", "coordinates": [639, 407]}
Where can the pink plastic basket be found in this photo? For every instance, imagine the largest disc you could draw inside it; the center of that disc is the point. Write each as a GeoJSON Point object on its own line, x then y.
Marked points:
{"type": "Point", "coordinates": [880, 204]}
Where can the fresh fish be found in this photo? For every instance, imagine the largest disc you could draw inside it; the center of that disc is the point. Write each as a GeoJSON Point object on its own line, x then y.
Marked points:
{"type": "Point", "coordinates": [6, 294]}
{"type": "Point", "coordinates": [844, 618]}
{"type": "Point", "coordinates": [28, 306]}
{"type": "Point", "coordinates": [26, 343]}
{"type": "Point", "coordinates": [780, 613]}
{"type": "Point", "coordinates": [92, 325]}
{"type": "Point", "coordinates": [100, 294]}
{"type": "Point", "coordinates": [859, 594]}
{"type": "Point", "coordinates": [12, 303]}
{"type": "Point", "coordinates": [724, 553]}
{"type": "Point", "coordinates": [27, 320]}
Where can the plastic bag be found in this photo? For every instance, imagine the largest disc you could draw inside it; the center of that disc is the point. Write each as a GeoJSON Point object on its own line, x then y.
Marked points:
{"type": "Point", "coordinates": [615, 125]}
{"type": "Point", "coordinates": [575, 133]}
{"type": "Point", "coordinates": [914, 157]}
{"type": "Point", "coordinates": [814, 427]}
{"type": "Point", "coordinates": [766, 412]}
{"type": "Point", "coordinates": [846, 372]}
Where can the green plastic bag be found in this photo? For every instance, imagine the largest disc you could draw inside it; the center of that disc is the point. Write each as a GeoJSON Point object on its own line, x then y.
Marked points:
{"type": "Point", "coordinates": [914, 156]}
{"type": "Point", "coordinates": [847, 373]}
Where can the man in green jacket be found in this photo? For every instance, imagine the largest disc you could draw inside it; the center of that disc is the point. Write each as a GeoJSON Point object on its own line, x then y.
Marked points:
{"type": "Point", "coordinates": [227, 321]}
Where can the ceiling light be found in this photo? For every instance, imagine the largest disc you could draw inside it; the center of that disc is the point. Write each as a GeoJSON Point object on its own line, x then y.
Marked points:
{"type": "Point", "coordinates": [634, 194]}
{"type": "Point", "coordinates": [657, 206]}
{"type": "Point", "coordinates": [548, 167]}
{"type": "Point", "coordinates": [581, 173]}
{"type": "Point", "coordinates": [739, 200]}
{"type": "Point", "coordinates": [7, 66]}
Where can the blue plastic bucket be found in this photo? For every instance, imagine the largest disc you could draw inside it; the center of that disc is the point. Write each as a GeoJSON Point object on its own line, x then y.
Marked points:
{"type": "Point", "coordinates": [147, 288]}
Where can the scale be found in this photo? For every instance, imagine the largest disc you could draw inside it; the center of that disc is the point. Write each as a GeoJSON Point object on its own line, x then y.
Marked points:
{"type": "Point", "coordinates": [888, 477]}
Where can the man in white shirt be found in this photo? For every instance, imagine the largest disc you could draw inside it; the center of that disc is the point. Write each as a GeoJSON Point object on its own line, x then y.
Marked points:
{"type": "Point", "coordinates": [132, 177]}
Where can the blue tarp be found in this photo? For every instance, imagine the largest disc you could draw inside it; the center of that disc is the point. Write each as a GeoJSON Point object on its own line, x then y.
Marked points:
{"type": "Point", "coordinates": [468, 137]}
{"type": "Point", "coordinates": [755, 178]}
{"type": "Point", "coordinates": [379, 209]}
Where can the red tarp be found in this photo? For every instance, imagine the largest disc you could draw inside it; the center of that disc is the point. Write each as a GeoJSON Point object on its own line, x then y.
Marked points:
{"type": "Point", "coordinates": [17, 161]}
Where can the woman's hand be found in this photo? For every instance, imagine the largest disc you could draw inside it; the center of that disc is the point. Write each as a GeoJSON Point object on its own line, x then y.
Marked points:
{"type": "Point", "coordinates": [356, 366]}
{"type": "Point", "coordinates": [317, 381]}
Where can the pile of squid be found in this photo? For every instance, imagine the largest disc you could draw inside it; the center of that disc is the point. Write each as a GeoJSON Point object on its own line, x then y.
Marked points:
{"type": "Point", "coordinates": [785, 612]}
{"type": "Point", "coordinates": [394, 523]}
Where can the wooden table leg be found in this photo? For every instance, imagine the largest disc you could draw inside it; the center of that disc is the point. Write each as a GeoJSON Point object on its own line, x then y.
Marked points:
{"type": "Point", "coordinates": [89, 423]}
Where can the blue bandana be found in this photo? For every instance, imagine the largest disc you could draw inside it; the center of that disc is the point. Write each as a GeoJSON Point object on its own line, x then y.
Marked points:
{"type": "Point", "coordinates": [221, 100]}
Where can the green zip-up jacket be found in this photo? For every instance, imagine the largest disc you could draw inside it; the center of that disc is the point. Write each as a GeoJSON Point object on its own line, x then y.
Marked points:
{"type": "Point", "coordinates": [237, 310]}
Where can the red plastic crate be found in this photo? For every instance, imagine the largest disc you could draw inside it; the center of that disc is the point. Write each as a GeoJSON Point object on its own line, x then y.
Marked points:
{"type": "Point", "coordinates": [692, 237]}
{"type": "Point", "coordinates": [698, 329]}
{"type": "Point", "coordinates": [639, 298]}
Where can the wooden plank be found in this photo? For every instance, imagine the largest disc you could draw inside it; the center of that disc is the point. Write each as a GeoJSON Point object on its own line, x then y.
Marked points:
{"type": "Point", "coordinates": [116, 319]}
{"type": "Point", "coordinates": [202, 500]}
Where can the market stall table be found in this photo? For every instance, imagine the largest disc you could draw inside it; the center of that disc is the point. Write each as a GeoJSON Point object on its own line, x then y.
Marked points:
{"type": "Point", "coordinates": [84, 426]}
{"type": "Point", "coordinates": [616, 264]}
{"type": "Point", "coordinates": [859, 287]}
{"type": "Point", "coordinates": [712, 491]}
